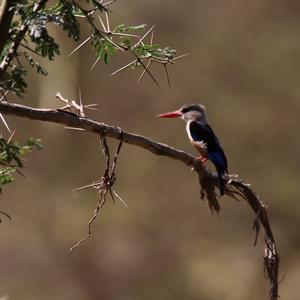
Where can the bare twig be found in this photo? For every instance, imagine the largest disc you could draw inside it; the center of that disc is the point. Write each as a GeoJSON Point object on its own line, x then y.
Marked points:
{"type": "Point", "coordinates": [121, 200]}
{"type": "Point", "coordinates": [1, 116]}
{"type": "Point", "coordinates": [95, 63]}
{"type": "Point", "coordinates": [6, 92]}
{"type": "Point", "coordinates": [103, 186]}
{"type": "Point", "coordinates": [180, 56]}
{"type": "Point", "coordinates": [5, 214]}
{"type": "Point", "coordinates": [30, 49]}
{"type": "Point", "coordinates": [5, 123]}
{"type": "Point", "coordinates": [107, 22]}
{"type": "Point", "coordinates": [123, 68]}
{"type": "Point", "coordinates": [144, 71]}
{"type": "Point", "coordinates": [143, 37]}
{"type": "Point", "coordinates": [145, 68]}
{"type": "Point", "coordinates": [167, 75]}
{"type": "Point", "coordinates": [102, 24]}
{"type": "Point", "coordinates": [101, 202]}
{"type": "Point", "coordinates": [80, 45]}
{"type": "Point", "coordinates": [71, 106]}
{"type": "Point", "coordinates": [108, 3]}
{"type": "Point", "coordinates": [150, 59]}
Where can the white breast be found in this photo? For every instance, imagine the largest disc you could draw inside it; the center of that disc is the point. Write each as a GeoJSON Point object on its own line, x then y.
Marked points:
{"type": "Point", "coordinates": [188, 130]}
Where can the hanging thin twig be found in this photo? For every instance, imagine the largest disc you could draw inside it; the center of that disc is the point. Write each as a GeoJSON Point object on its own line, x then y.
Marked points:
{"type": "Point", "coordinates": [103, 185]}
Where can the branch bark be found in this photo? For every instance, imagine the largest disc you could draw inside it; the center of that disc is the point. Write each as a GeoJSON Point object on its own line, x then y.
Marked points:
{"type": "Point", "coordinates": [235, 188]}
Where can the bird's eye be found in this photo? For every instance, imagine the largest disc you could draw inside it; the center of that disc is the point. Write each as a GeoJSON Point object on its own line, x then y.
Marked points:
{"type": "Point", "coordinates": [185, 110]}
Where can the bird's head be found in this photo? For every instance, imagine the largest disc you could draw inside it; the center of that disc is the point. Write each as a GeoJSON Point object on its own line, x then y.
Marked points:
{"type": "Point", "coordinates": [188, 112]}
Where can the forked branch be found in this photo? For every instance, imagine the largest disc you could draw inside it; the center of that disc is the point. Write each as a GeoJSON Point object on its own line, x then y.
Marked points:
{"type": "Point", "coordinates": [235, 188]}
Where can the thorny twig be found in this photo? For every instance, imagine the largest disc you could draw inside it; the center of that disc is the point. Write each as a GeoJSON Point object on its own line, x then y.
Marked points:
{"type": "Point", "coordinates": [4, 214]}
{"type": "Point", "coordinates": [105, 32]}
{"type": "Point", "coordinates": [73, 106]}
{"type": "Point", "coordinates": [109, 35]}
{"type": "Point", "coordinates": [103, 185]}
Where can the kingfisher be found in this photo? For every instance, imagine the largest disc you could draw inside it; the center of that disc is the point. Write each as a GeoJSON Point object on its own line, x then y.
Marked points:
{"type": "Point", "coordinates": [202, 137]}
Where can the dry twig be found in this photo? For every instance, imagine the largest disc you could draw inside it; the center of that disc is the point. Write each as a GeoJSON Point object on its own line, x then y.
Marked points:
{"type": "Point", "coordinates": [73, 107]}
{"type": "Point", "coordinates": [104, 185]}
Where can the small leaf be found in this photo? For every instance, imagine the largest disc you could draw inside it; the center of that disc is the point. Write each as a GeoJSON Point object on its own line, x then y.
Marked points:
{"type": "Point", "coordinates": [105, 58]}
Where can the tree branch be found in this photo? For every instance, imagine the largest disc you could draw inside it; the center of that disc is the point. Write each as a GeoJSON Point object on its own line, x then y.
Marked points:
{"type": "Point", "coordinates": [235, 188]}
{"type": "Point", "coordinates": [70, 119]}
{"type": "Point", "coordinates": [6, 15]}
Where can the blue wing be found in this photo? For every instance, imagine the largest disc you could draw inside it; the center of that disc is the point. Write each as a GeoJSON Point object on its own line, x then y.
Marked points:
{"type": "Point", "coordinates": [203, 133]}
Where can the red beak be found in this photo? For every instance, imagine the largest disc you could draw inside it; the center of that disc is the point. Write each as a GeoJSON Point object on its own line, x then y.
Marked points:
{"type": "Point", "coordinates": [173, 114]}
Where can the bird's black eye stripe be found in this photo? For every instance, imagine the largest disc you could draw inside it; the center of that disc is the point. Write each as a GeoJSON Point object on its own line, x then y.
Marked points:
{"type": "Point", "coordinates": [190, 108]}
{"type": "Point", "coordinates": [185, 110]}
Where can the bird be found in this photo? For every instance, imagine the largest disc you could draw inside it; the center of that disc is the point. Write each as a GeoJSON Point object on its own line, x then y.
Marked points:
{"type": "Point", "coordinates": [202, 137]}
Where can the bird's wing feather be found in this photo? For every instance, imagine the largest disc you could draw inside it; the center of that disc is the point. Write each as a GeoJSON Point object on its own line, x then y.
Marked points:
{"type": "Point", "coordinates": [203, 133]}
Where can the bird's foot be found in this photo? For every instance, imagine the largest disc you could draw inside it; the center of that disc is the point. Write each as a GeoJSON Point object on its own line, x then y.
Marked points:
{"type": "Point", "coordinates": [202, 159]}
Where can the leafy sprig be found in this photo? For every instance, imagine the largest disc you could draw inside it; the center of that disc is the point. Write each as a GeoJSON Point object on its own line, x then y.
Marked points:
{"type": "Point", "coordinates": [11, 154]}
{"type": "Point", "coordinates": [30, 25]}
{"type": "Point", "coordinates": [29, 31]}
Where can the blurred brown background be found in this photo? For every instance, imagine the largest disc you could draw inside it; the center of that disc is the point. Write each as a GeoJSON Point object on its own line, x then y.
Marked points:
{"type": "Point", "coordinates": [244, 66]}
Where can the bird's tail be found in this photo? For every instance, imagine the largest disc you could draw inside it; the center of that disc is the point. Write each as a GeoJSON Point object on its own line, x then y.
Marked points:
{"type": "Point", "coordinates": [221, 173]}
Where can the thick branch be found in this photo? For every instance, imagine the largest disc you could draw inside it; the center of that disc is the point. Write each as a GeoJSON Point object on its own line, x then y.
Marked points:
{"type": "Point", "coordinates": [235, 188]}
{"type": "Point", "coordinates": [6, 15]}
{"type": "Point", "coordinates": [69, 119]}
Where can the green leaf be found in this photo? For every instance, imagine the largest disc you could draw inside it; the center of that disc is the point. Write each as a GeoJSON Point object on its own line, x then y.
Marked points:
{"type": "Point", "coordinates": [14, 80]}
{"type": "Point", "coordinates": [34, 143]}
{"type": "Point", "coordinates": [63, 14]}
{"type": "Point", "coordinates": [123, 28]}
{"type": "Point", "coordinates": [104, 49]}
{"type": "Point", "coordinates": [5, 175]}
{"type": "Point", "coordinates": [105, 58]}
